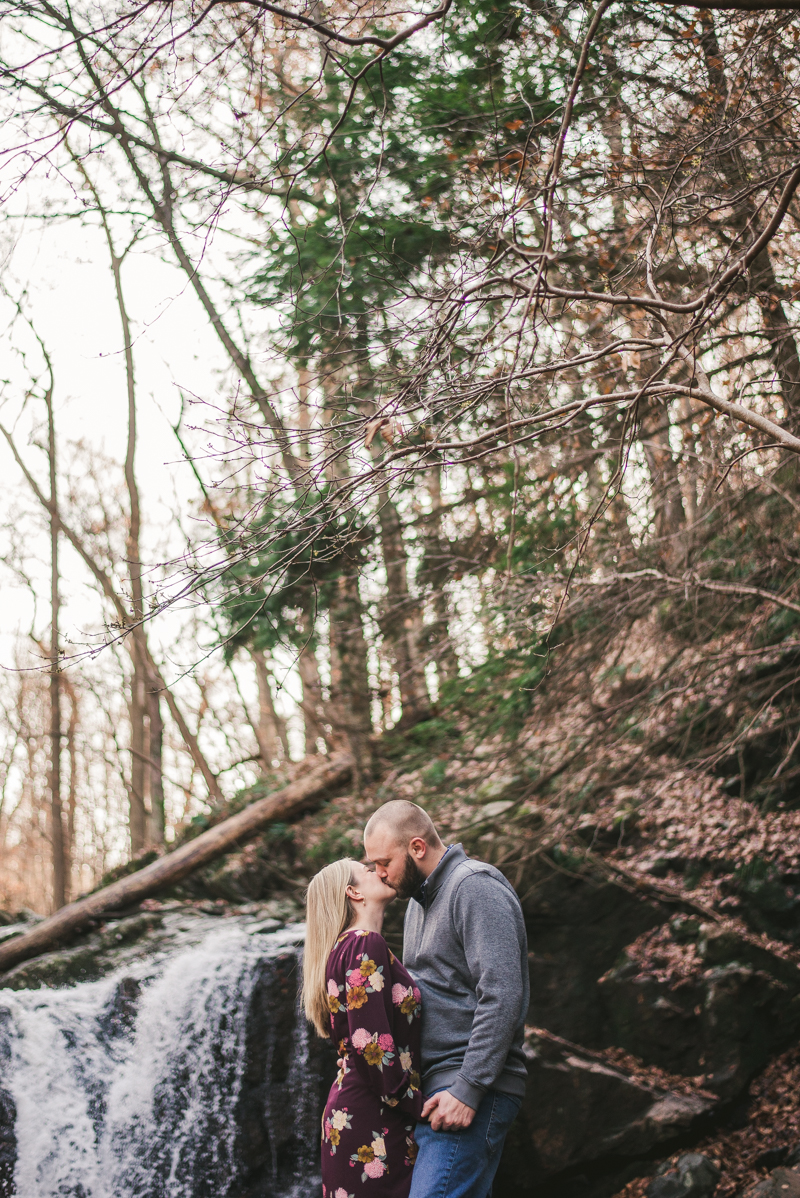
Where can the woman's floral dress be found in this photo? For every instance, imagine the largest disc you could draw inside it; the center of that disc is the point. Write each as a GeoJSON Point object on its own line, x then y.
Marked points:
{"type": "Point", "coordinates": [368, 1126]}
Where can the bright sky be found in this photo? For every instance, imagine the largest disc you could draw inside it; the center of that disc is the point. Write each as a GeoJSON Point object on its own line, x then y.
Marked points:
{"type": "Point", "coordinates": [62, 271]}
{"type": "Point", "coordinates": [72, 304]}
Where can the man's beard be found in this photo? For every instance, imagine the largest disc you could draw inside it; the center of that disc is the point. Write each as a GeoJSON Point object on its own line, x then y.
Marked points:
{"type": "Point", "coordinates": [411, 879]}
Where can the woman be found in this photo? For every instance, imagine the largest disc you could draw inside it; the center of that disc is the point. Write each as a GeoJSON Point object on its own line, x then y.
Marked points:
{"type": "Point", "coordinates": [357, 992]}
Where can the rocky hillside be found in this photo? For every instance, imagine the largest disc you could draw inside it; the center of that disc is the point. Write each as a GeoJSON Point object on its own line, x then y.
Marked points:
{"type": "Point", "coordinates": [641, 791]}
{"type": "Point", "coordinates": [641, 794]}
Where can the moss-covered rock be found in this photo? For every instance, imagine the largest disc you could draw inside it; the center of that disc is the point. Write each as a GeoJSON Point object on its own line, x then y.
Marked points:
{"type": "Point", "coordinates": [94, 956]}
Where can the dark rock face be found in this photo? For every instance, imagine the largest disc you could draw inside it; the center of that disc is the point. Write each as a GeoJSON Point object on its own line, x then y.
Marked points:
{"type": "Point", "coordinates": [8, 1144]}
{"type": "Point", "coordinates": [85, 961]}
{"type": "Point", "coordinates": [782, 1183]}
{"type": "Point", "coordinates": [585, 1119]}
{"type": "Point", "coordinates": [577, 929]}
{"type": "Point", "coordinates": [587, 1128]}
{"type": "Point", "coordinates": [695, 1176]}
{"type": "Point", "coordinates": [742, 1005]}
{"type": "Point", "coordinates": [289, 1072]}
{"type": "Point", "coordinates": [120, 1014]}
{"type": "Point", "coordinates": [8, 1115]}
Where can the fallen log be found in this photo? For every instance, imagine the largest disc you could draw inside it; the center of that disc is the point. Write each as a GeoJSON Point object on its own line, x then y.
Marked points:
{"type": "Point", "coordinates": [288, 802]}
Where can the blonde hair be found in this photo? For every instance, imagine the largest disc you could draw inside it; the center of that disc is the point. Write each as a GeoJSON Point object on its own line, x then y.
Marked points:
{"type": "Point", "coordinates": [328, 912]}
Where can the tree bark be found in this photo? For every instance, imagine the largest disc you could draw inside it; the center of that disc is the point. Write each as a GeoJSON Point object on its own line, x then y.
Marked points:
{"type": "Point", "coordinates": [350, 699]}
{"type": "Point", "coordinates": [315, 715]}
{"type": "Point", "coordinates": [667, 499]}
{"type": "Point", "coordinates": [137, 812]}
{"type": "Point", "coordinates": [60, 869]}
{"type": "Point", "coordinates": [401, 617]}
{"type": "Point", "coordinates": [287, 803]}
{"type": "Point", "coordinates": [72, 793]}
{"type": "Point", "coordinates": [155, 756]}
{"type": "Point", "coordinates": [139, 705]}
{"type": "Point", "coordinates": [435, 572]}
{"type": "Point", "coordinates": [777, 330]}
{"type": "Point", "coordinates": [271, 729]}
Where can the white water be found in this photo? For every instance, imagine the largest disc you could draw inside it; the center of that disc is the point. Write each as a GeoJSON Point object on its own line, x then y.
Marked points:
{"type": "Point", "coordinates": [138, 1099]}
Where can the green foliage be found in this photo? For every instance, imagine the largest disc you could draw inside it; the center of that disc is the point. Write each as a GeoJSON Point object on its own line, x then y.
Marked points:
{"type": "Point", "coordinates": [295, 559]}
{"type": "Point", "coordinates": [374, 210]}
{"type": "Point", "coordinates": [415, 746]}
{"type": "Point", "coordinates": [543, 522]}
{"type": "Point", "coordinates": [781, 624]}
{"type": "Point", "coordinates": [126, 868]}
{"type": "Point", "coordinates": [332, 840]}
{"type": "Point", "coordinates": [497, 695]}
{"type": "Point", "coordinates": [758, 883]}
{"type": "Point", "coordinates": [434, 775]}
{"type": "Point", "coordinates": [568, 858]}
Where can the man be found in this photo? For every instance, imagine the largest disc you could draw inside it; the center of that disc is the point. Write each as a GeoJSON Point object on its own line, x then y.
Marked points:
{"type": "Point", "coordinates": [465, 947]}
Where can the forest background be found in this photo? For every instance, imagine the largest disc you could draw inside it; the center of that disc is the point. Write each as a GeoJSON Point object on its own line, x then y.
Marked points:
{"type": "Point", "coordinates": [423, 383]}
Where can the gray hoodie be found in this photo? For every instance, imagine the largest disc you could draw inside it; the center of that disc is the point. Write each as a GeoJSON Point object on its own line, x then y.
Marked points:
{"type": "Point", "coordinates": [465, 946]}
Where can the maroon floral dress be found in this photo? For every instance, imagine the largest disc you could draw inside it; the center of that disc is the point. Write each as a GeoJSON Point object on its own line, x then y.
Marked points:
{"type": "Point", "coordinates": [368, 1126]}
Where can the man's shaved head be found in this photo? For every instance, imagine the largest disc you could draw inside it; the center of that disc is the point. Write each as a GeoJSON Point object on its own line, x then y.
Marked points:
{"type": "Point", "coordinates": [403, 821]}
{"type": "Point", "coordinates": [405, 846]}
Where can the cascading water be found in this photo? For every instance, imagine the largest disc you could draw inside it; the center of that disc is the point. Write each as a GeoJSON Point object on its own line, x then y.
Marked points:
{"type": "Point", "coordinates": [188, 1077]}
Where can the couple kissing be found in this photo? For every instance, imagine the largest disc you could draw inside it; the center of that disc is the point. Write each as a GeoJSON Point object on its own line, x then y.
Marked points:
{"type": "Point", "coordinates": [431, 1067]}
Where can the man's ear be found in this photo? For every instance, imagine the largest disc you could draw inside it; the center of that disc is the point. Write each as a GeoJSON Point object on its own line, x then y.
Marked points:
{"type": "Point", "coordinates": [417, 847]}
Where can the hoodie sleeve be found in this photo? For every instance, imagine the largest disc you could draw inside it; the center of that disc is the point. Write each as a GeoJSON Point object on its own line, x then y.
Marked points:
{"type": "Point", "coordinates": [488, 921]}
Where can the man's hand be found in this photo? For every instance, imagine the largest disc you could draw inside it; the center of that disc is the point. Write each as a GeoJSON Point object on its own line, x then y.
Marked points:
{"type": "Point", "coordinates": [448, 1114]}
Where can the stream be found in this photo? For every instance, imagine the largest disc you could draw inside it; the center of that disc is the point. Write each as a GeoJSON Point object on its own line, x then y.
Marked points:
{"type": "Point", "coordinates": [184, 1075]}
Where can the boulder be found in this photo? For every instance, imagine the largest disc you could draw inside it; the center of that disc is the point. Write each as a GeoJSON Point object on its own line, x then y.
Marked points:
{"type": "Point", "coordinates": [577, 929]}
{"type": "Point", "coordinates": [288, 1074]}
{"type": "Point", "coordinates": [8, 1144]}
{"type": "Point", "coordinates": [8, 1115]}
{"type": "Point", "coordinates": [581, 1115]}
{"type": "Point", "coordinates": [723, 1020]}
{"type": "Point", "coordinates": [694, 1176]}
{"type": "Point", "coordinates": [90, 958]}
{"type": "Point", "coordinates": [781, 1183]}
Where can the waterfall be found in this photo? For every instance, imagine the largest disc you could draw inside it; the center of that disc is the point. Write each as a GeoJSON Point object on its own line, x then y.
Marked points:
{"type": "Point", "coordinates": [186, 1077]}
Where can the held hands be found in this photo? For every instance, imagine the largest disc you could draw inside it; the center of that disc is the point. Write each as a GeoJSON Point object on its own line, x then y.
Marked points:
{"type": "Point", "coordinates": [447, 1113]}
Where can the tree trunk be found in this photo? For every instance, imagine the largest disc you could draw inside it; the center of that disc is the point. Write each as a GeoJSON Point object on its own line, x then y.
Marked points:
{"type": "Point", "coordinates": [270, 729]}
{"type": "Point", "coordinates": [303, 413]}
{"type": "Point", "coordinates": [137, 710]}
{"type": "Point", "coordinates": [138, 702]}
{"type": "Point", "coordinates": [778, 331]}
{"type": "Point", "coordinates": [139, 705]}
{"type": "Point", "coordinates": [434, 575]}
{"type": "Point", "coordinates": [155, 756]}
{"type": "Point", "coordinates": [350, 699]}
{"type": "Point", "coordinates": [72, 794]}
{"type": "Point", "coordinates": [401, 618]}
{"type": "Point", "coordinates": [288, 803]}
{"type": "Point", "coordinates": [60, 868]}
{"type": "Point", "coordinates": [315, 716]}
{"type": "Point", "coordinates": [669, 517]}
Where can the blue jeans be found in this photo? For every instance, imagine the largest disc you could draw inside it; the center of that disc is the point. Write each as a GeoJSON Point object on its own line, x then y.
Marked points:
{"type": "Point", "coordinates": [462, 1164]}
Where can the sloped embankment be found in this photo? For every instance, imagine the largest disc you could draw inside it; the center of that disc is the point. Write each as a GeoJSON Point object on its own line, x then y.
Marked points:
{"type": "Point", "coordinates": [641, 788]}
{"type": "Point", "coordinates": [644, 798]}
